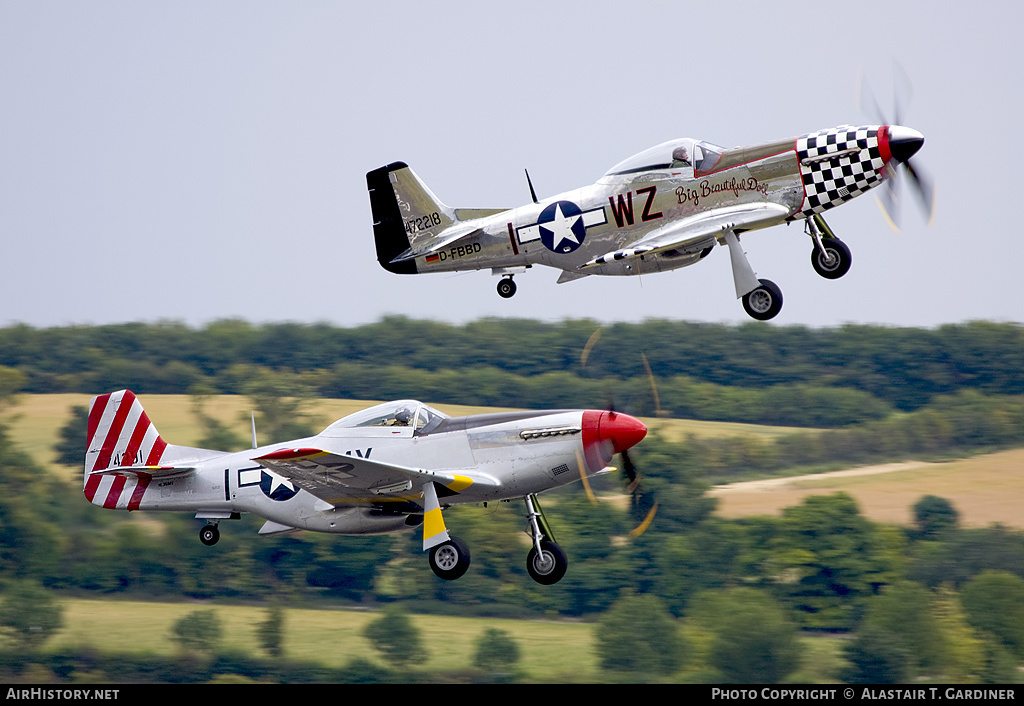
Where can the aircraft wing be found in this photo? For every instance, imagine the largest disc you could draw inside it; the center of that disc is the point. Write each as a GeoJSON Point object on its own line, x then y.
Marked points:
{"type": "Point", "coordinates": [350, 480]}
{"type": "Point", "coordinates": [697, 232]}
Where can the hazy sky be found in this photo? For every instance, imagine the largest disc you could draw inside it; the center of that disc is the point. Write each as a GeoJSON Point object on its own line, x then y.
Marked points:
{"type": "Point", "coordinates": [203, 160]}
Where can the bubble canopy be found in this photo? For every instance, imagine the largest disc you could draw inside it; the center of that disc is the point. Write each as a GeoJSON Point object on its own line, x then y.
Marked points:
{"type": "Point", "coordinates": [681, 153]}
{"type": "Point", "coordinates": [393, 416]}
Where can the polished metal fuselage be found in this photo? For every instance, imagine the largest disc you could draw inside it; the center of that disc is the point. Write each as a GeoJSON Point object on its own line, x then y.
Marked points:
{"type": "Point", "coordinates": [629, 207]}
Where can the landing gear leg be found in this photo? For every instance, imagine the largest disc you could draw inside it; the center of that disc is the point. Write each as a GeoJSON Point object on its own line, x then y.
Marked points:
{"type": "Point", "coordinates": [830, 257]}
{"type": "Point", "coordinates": [546, 562]}
{"type": "Point", "coordinates": [449, 556]}
{"type": "Point", "coordinates": [762, 298]}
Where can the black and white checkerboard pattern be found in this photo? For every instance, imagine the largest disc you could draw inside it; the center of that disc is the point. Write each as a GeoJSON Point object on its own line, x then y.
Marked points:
{"type": "Point", "coordinates": [828, 181]}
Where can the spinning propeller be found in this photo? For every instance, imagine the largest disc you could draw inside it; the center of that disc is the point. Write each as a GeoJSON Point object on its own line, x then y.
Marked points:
{"type": "Point", "coordinates": [632, 478]}
{"type": "Point", "coordinates": [904, 142]}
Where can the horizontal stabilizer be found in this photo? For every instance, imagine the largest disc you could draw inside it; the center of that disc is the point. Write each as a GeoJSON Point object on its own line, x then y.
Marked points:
{"type": "Point", "coordinates": [436, 243]}
{"type": "Point", "coordinates": [149, 471]}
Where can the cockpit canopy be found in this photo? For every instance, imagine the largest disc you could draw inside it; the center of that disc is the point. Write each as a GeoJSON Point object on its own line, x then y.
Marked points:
{"type": "Point", "coordinates": [674, 154]}
{"type": "Point", "coordinates": [409, 414]}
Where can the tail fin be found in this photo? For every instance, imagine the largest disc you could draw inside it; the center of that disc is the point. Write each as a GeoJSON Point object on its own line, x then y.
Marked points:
{"type": "Point", "coordinates": [120, 434]}
{"type": "Point", "coordinates": [404, 211]}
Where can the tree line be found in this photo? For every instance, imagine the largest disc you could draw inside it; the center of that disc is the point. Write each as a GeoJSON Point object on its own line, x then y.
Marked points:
{"type": "Point", "coordinates": [752, 372]}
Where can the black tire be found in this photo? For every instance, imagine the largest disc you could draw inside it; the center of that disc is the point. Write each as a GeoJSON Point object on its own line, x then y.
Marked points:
{"type": "Point", "coordinates": [765, 302]}
{"type": "Point", "coordinates": [209, 535]}
{"type": "Point", "coordinates": [450, 560]}
{"type": "Point", "coordinates": [835, 261]}
{"type": "Point", "coordinates": [506, 288]}
{"type": "Point", "coordinates": [548, 566]}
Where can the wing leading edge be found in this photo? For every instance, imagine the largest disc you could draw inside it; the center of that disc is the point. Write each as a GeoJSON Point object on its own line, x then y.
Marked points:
{"type": "Point", "coordinates": [347, 480]}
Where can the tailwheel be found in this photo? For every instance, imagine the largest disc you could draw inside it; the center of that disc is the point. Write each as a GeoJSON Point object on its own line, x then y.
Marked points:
{"type": "Point", "coordinates": [450, 559]}
{"type": "Point", "coordinates": [548, 565]}
{"type": "Point", "coordinates": [832, 260]}
{"type": "Point", "coordinates": [209, 535]}
{"type": "Point", "coordinates": [506, 288]}
{"type": "Point", "coordinates": [765, 302]}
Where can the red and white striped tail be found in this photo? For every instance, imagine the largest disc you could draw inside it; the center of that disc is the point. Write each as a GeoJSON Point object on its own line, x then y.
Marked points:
{"type": "Point", "coordinates": [120, 434]}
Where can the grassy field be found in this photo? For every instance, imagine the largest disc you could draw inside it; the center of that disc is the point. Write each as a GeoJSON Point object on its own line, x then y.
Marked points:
{"type": "Point", "coordinates": [550, 651]}
{"type": "Point", "coordinates": [984, 489]}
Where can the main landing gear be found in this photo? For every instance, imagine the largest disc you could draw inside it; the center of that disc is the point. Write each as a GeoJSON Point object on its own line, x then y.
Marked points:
{"type": "Point", "coordinates": [762, 298]}
{"type": "Point", "coordinates": [450, 560]}
{"type": "Point", "coordinates": [546, 563]}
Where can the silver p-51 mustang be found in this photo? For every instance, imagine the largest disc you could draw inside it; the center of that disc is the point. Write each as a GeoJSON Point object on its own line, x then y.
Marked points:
{"type": "Point", "coordinates": [388, 468]}
{"type": "Point", "coordinates": [664, 208]}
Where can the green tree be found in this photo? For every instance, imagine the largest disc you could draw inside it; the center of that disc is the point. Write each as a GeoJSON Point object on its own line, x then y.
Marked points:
{"type": "Point", "coordinates": [934, 516]}
{"type": "Point", "coordinates": [639, 637]}
{"type": "Point", "coordinates": [73, 436]}
{"type": "Point", "coordinates": [199, 631]}
{"type": "Point", "coordinates": [216, 435]}
{"type": "Point", "coordinates": [994, 603]}
{"type": "Point", "coordinates": [395, 636]}
{"type": "Point", "coordinates": [270, 631]}
{"type": "Point", "coordinates": [829, 559]}
{"type": "Point", "coordinates": [496, 651]}
{"type": "Point", "coordinates": [282, 400]}
{"type": "Point", "coordinates": [752, 639]}
{"type": "Point", "coordinates": [875, 658]}
{"type": "Point", "coordinates": [29, 614]}
{"type": "Point", "coordinates": [905, 610]}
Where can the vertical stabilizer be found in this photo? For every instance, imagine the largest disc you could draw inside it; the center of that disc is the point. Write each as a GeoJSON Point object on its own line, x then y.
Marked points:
{"type": "Point", "coordinates": [404, 211]}
{"type": "Point", "coordinates": [120, 434]}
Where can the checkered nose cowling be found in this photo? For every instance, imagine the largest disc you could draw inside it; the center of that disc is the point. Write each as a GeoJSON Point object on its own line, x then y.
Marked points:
{"type": "Point", "coordinates": [839, 164]}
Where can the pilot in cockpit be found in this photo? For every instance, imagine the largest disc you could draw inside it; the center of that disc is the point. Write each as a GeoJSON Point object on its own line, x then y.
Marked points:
{"type": "Point", "coordinates": [680, 157]}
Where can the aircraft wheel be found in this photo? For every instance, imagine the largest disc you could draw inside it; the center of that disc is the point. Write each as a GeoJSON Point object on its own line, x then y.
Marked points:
{"type": "Point", "coordinates": [765, 302]}
{"type": "Point", "coordinates": [549, 565]}
{"type": "Point", "coordinates": [450, 560]}
{"type": "Point", "coordinates": [506, 287]}
{"type": "Point", "coordinates": [834, 262]}
{"type": "Point", "coordinates": [209, 535]}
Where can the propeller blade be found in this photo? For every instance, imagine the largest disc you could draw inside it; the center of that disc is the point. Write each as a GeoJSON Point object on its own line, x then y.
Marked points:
{"type": "Point", "coordinates": [654, 387]}
{"type": "Point", "coordinates": [642, 527]}
{"type": "Point", "coordinates": [591, 342]}
{"type": "Point", "coordinates": [583, 478]}
{"type": "Point", "coordinates": [888, 200]}
{"type": "Point", "coordinates": [630, 470]}
{"type": "Point", "coordinates": [925, 191]}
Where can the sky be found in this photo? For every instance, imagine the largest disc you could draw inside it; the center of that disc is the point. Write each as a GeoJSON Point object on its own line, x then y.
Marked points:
{"type": "Point", "coordinates": [195, 161]}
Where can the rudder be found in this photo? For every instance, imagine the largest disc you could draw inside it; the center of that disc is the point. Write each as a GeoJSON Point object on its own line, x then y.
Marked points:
{"type": "Point", "coordinates": [404, 210]}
